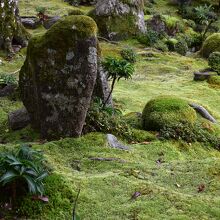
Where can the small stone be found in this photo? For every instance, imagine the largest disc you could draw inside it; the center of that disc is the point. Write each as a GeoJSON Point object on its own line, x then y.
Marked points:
{"type": "Point", "coordinates": [18, 119]}
{"type": "Point", "coordinates": [114, 143]}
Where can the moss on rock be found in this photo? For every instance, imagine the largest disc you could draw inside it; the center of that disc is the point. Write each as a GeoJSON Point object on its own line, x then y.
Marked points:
{"type": "Point", "coordinates": [58, 76]}
{"type": "Point", "coordinates": [211, 44]}
{"type": "Point", "coordinates": [214, 81]}
{"type": "Point", "coordinates": [166, 111]}
{"type": "Point", "coordinates": [75, 12]}
{"type": "Point", "coordinates": [119, 19]}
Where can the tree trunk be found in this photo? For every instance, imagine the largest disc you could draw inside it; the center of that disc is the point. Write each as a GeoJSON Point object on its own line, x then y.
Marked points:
{"type": "Point", "coordinates": [11, 29]}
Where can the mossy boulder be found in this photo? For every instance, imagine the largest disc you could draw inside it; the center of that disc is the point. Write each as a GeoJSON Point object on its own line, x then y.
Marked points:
{"type": "Point", "coordinates": [211, 44]}
{"type": "Point", "coordinates": [119, 19]}
{"type": "Point", "coordinates": [58, 77]}
{"type": "Point", "coordinates": [166, 111]}
{"type": "Point", "coordinates": [214, 81]}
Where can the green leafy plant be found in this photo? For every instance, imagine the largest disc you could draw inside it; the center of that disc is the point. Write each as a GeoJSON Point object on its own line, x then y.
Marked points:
{"type": "Point", "coordinates": [107, 120]}
{"type": "Point", "coordinates": [23, 166]}
{"type": "Point", "coordinates": [129, 55]}
{"type": "Point", "coordinates": [205, 16]}
{"type": "Point", "coordinates": [149, 39]}
{"type": "Point", "coordinates": [214, 61]}
{"type": "Point", "coordinates": [6, 79]}
{"type": "Point", "coordinates": [117, 69]}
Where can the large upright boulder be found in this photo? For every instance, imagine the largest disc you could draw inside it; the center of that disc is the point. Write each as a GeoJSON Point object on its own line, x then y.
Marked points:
{"type": "Point", "coordinates": [58, 77]}
{"type": "Point", "coordinates": [119, 19]}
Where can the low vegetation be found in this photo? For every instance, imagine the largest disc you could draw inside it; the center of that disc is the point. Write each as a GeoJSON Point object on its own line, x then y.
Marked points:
{"type": "Point", "coordinates": [171, 170]}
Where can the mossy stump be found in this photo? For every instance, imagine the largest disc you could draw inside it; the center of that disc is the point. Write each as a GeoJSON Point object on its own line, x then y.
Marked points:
{"type": "Point", "coordinates": [58, 77]}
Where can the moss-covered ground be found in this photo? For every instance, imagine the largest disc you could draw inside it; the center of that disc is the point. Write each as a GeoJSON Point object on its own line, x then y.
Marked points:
{"type": "Point", "coordinates": [174, 180]}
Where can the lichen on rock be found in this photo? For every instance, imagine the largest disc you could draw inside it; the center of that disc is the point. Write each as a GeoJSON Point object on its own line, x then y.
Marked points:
{"type": "Point", "coordinates": [119, 19]}
{"type": "Point", "coordinates": [58, 77]}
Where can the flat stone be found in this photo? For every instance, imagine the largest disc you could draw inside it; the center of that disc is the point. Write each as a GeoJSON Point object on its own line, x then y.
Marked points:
{"type": "Point", "coordinates": [202, 76]}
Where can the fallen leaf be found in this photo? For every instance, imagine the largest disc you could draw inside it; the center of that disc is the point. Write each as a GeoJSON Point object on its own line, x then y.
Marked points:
{"type": "Point", "coordinates": [201, 188]}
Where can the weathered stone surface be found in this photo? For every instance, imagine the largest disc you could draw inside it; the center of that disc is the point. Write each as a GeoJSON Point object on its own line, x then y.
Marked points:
{"type": "Point", "coordinates": [30, 22]}
{"type": "Point", "coordinates": [157, 24]}
{"type": "Point", "coordinates": [11, 28]}
{"type": "Point", "coordinates": [203, 75]}
{"type": "Point", "coordinates": [51, 21]}
{"type": "Point", "coordinates": [7, 90]}
{"type": "Point", "coordinates": [58, 77]}
{"type": "Point", "coordinates": [102, 89]}
{"type": "Point", "coordinates": [119, 19]}
{"type": "Point", "coordinates": [18, 119]}
{"type": "Point", "coordinates": [114, 143]}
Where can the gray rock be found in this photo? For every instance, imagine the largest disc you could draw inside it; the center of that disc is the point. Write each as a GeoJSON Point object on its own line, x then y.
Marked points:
{"type": "Point", "coordinates": [8, 90]}
{"type": "Point", "coordinates": [203, 112]}
{"type": "Point", "coordinates": [30, 22]}
{"type": "Point", "coordinates": [203, 75]}
{"type": "Point", "coordinates": [51, 21]}
{"type": "Point", "coordinates": [18, 119]}
{"type": "Point", "coordinates": [58, 77]}
{"type": "Point", "coordinates": [114, 143]}
{"type": "Point", "coordinates": [102, 89]}
{"type": "Point", "coordinates": [118, 19]}
{"type": "Point", "coordinates": [157, 24]}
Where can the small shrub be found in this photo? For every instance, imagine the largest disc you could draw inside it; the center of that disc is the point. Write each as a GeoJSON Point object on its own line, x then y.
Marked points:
{"type": "Point", "coordinates": [104, 120]}
{"type": "Point", "coordinates": [129, 55]}
{"type": "Point", "coordinates": [181, 47]}
{"type": "Point", "coordinates": [190, 133]}
{"type": "Point", "coordinates": [149, 39]}
{"type": "Point", "coordinates": [117, 69]}
{"type": "Point", "coordinates": [160, 45]}
{"type": "Point", "coordinates": [171, 43]}
{"type": "Point", "coordinates": [214, 61]}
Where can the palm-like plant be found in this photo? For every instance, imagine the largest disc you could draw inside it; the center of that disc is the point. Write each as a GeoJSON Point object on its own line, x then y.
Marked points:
{"type": "Point", "coordinates": [24, 165]}
{"type": "Point", "coordinates": [117, 69]}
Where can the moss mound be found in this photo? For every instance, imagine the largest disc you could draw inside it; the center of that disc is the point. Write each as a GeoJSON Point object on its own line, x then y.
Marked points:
{"type": "Point", "coordinates": [214, 81]}
{"type": "Point", "coordinates": [61, 199]}
{"type": "Point", "coordinates": [75, 12]}
{"type": "Point", "coordinates": [211, 44]}
{"type": "Point", "coordinates": [166, 111]}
